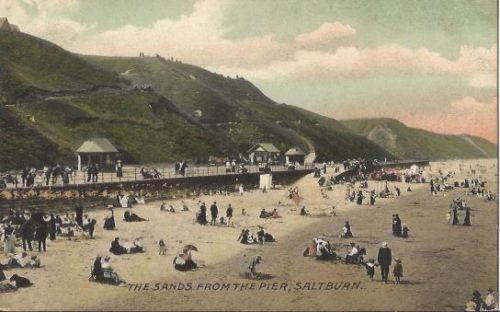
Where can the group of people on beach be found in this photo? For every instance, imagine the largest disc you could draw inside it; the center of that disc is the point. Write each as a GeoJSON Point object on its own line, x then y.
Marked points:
{"type": "Point", "coordinates": [25, 228]}
{"type": "Point", "coordinates": [201, 215]}
{"type": "Point", "coordinates": [320, 248]}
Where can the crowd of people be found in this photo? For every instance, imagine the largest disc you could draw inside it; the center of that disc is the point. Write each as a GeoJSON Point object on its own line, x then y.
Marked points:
{"type": "Point", "coordinates": [50, 226]}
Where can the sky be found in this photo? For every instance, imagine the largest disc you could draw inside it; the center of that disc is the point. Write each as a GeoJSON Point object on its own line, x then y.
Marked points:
{"type": "Point", "coordinates": [430, 64]}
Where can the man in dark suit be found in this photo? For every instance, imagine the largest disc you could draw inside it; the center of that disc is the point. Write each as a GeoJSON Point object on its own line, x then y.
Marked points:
{"type": "Point", "coordinates": [214, 211]}
{"type": "Point", "coordinates": [384, 260]}
{"type": "Point", "coordinates": [41, 235]}
{"type": "Point", "coordinates": [27, 234]}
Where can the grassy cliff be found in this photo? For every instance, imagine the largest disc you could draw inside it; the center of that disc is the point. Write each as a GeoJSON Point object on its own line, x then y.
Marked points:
{"type": "Point", "coordinates": [407, 143]}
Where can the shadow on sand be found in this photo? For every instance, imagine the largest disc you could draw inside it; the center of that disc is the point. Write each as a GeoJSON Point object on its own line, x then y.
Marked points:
{"type": "Point", "coordinates": [257, 277]}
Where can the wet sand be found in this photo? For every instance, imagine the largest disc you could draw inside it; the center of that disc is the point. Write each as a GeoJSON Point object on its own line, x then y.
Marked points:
{"type": "Point", "coordinates": [443, 264]}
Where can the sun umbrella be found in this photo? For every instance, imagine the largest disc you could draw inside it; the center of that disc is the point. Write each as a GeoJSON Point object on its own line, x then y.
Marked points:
{"type": "Point", "coordinates": [191, 247]}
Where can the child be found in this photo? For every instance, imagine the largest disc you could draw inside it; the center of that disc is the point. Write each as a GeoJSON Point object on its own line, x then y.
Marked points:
{"type": "Point", "coordinates": [398, 271]}
{"type": "Point", "coordinates": [162, 247]}
{"type": "Point", "coordinates": [370, 268]}
{"type": "Point", "coordinates": [405, 231]}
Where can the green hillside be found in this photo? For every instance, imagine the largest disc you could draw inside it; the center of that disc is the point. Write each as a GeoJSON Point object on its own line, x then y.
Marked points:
{"type": "Point", "coordinates": [412, 143]}
{"type": "Point", "coordinates": [156, 110]}
{"type": "Point", "coordinates": [72, 100]}
{"type": "Point", "coordinates": [238, 111]}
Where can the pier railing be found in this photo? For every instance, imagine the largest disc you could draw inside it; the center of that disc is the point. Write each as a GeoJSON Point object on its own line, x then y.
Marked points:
{"type": "Point", "coordinates": [131, 174]}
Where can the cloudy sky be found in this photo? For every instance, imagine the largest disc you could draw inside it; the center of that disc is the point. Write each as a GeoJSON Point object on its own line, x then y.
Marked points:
{"type": "Point", "coordinates": [431, 64]}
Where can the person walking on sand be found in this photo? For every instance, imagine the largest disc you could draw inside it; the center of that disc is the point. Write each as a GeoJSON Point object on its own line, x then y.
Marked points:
{"type": "Point", "coordinates": [214, 211]}
{"type": "Point", "coordinates": [467, 217]}
{"type": "Point", "coordinates": [41, 234]}
{"type": "Point", "coordinates": [229, 214]}
{"type": "Point", "coordinates": [397, 271]}
{"type": "Point", "coordinates": [455, 216]}
{"type": "Point", "coordinates": [384, 260]}
{"type": "Point", "coordinates": [252, 266]}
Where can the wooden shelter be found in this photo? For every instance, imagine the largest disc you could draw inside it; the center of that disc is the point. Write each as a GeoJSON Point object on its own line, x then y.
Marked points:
{"type": "Point", "coordinates": [294, 155]}
{"type": "Point", "coordinates": [263, 153]}
{"type": "Point", "coordinates": [97, 150]}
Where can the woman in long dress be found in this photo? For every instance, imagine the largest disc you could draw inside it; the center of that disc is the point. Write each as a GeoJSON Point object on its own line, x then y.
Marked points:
{"type": "Point", "coordinates": [455, 216]}
{"type": "Point", "coordinates": [9, 245]}
{"type": "Point", "coordinates": [467, 217]}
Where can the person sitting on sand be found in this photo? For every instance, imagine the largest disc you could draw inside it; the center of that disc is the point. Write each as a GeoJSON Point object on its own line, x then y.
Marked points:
{"type": "Point", "coordinates": [346, 231]}
{"type": "Point", "coordinates": [477, 302]}
{"type": "Point", "coordinates": [310, 250]}
{"type": "Point", "coordinates": [274, 213]}
{"type": "Point", "coordinates": [252, 265]}
{"type": "Point", "coordinates": [184, 206]}
{"type": "Point", "coordinates": [352, 253]}
{"type": "Point", "coordinates": [132, 217]}
{"type": "Point", "coordinates": [134, 247]}
{"type": "Point", "coordinates": [20, 282]}
{"type": "Point", "coordinates": [264, 214]}
{"type": "Point", "coordinates": [109, 273]}
{"type": "Point", "coordinates": [246, 237]}
{"type": "Point", "coordinates": [303, 211]}
{"type": "Point", "coordinates": [490, 303]}
{"type": "Point", "coordinates": [264, 237]}
{"type": "Point", "coordinates": [116, 248]}
{"type": "Point", "coordinates": [163, 207]}
{"type": "Point", "coordinates": [324, 250]}
{"type": "Point", "coordinates": [97, 274]}
{"type": "Point", "coordinates": [184, 261]}
{"type": "Point", "coordinates": [109, 222]}
{"type": "Point", "coordinates": [19, 260]}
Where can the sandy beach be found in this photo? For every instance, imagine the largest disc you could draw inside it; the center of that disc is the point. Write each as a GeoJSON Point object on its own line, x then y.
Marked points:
{"type": "Point", "coordinates": [443, 264]}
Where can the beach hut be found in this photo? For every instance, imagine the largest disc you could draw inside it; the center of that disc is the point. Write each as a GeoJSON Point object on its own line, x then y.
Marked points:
{"type": "Point", "coordinates": [294, 155]}
{"type": "Point", "coordinates": [97, 150]}
{"type": "Point", "coordinates": [263, 153]}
